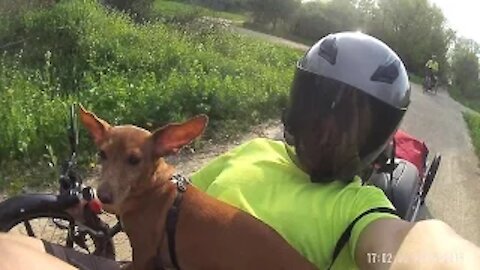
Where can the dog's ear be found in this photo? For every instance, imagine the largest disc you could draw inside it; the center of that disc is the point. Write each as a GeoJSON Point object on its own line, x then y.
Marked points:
{"type": "Point", "coordinates": [172, 137]}
{"type": "Point", "coordinates": [96, 127]}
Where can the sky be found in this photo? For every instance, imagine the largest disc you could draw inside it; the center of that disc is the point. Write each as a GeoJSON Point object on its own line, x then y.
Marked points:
{"type": "Point", "coordinates": [463, 16]}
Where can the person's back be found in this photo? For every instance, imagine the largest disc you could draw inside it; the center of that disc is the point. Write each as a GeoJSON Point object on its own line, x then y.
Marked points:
{"type": "Point", "coordinates": [261, 178]}
{"type": "Point", "coordinates": [432, 65]}
{"type": "Point", "coordinates": [348, 96]}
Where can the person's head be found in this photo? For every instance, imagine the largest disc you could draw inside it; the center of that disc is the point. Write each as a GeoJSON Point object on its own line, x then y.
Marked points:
{"type": "Point", "coordinates": [434, 57]}
{"type": "Point", "coordinates": [348, 97]}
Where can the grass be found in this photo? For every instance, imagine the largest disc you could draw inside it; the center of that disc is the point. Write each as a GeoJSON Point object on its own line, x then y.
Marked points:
{"type": "Point", "coordinates": [146, 74]}
{"type": "Point", "coordinates": [473, 123]}
{"type": "Point", "coordinates": [472, 102]}
{"type": "Point", "coordinates": [169, 9]}
{"type": "Point", "coordinates": [172, 8]}
{"type": "Point", "coordinates": [471, 118]}
{"type": "Point", "coordinates": [415, 78]}
{"type": "Point", "coordinates": [281, 31]}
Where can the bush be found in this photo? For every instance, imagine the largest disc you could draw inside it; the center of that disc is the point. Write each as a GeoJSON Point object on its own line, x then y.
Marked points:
{"type": "Point", "coordinates": [128, 73]}
{"type": "Point", "coordinates": [177, 12]}
{"type": "Point", "coordinates": [473, 123]}
{"type": "Point", "coordinates": [222, 5]}
{"type": "Point", "coordinates": [416, 79]}
{"type": "Point", "coordinates": [138, 9]}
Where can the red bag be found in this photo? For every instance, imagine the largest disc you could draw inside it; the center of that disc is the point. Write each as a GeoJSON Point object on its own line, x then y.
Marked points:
{"type": "Point", "coordinates": [411, 149]}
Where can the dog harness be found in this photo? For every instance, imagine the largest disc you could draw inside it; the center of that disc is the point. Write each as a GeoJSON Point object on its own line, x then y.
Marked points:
{"type": "Point", "coordinates": [181, 182]}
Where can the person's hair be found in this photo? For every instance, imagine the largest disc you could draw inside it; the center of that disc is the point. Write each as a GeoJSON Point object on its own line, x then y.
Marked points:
{"type": "Point", "coordinates": [332, 124]}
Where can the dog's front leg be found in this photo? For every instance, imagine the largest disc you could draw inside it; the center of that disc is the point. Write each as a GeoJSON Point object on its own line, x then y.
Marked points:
{"type": "Point", "coordinates": [144, 253]}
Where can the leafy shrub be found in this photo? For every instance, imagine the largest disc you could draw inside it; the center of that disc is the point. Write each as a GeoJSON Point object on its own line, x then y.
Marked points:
{"type": "Point", "coordinates": [145, 74]}
{"type": "Point", "coordinates": [171, 9]}
{"type": "Point", "coordinates": [473, 123]}
{"type": "Point", "coordinates": [136, 8]}
{"type": "Point", "coordinates": [175, 12]}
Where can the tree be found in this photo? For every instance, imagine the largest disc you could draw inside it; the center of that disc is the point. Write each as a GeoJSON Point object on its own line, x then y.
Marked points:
{"type": "Point", "coordinates": [138, 9]}
{"type": "Point", "coordinates": [271, 11]}
{"type": "Point", "coordinates": [366, 12]}
{"type": "Point", "coordinates": [311, 21]}
{"type": "Point", "coordinates": [415, 30]}
{"type": "Point", "coordinates": [465, 67]}
{"type": "Point", "coordinates": [316, 19]}
{"type": "Point", "coordinates": [222, 5]}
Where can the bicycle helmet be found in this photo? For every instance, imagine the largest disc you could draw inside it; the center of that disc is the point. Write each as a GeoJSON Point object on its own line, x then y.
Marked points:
{"type": "Point", "coordinates": [348, 97]}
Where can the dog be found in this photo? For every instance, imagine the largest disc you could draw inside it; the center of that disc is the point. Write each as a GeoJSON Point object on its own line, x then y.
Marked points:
{"type": "Point", "coordinates": [171, 224]}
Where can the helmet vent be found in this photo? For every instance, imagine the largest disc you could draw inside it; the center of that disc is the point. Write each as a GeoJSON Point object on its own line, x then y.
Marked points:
{"type": "Point", "coordinates": [386, 73]}
{"type": "Point", "coordinates": [328, 50]}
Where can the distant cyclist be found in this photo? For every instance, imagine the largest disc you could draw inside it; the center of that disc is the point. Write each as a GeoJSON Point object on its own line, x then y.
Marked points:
{"type": "Point", "coordinates": [432, 71]}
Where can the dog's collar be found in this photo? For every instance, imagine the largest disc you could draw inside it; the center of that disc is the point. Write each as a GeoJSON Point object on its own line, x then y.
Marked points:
{"type": "Point", "coordinates": [181, 183]}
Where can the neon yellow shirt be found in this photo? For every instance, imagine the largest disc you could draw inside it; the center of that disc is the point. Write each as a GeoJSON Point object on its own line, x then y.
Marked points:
{"type": "Point", "coordinates": [433, 65]}
{"type": "Point", "coordinates": [260, 178]}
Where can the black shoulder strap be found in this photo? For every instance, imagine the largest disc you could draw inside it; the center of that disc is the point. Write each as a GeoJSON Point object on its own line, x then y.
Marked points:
{"type": "Point", "coordinates": [348, 231]}
{"type": "Point", "coordinates": [172, 218]}
{"type": "Point", "coordinates": [181, 183]}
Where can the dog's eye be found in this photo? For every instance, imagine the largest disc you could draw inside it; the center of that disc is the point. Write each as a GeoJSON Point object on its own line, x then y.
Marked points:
{"type": "Point", "coordinates": [133, 160]}
{"type": "Point", "coordinates": [102, 155]}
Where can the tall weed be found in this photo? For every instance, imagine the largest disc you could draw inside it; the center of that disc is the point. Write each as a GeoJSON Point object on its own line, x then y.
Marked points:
{"type": "Point", "coordinates": [145, 74]}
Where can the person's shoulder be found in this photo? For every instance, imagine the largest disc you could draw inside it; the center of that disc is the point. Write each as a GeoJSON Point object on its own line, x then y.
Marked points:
{"type": "Point", "coordinates": [364, 198]}
{"type": "Point", "coordinates": [263, 144]}
{"type": "Point", "coordinates": [263, 141]}
{"type": "Point", "coordinates": [366, 194]}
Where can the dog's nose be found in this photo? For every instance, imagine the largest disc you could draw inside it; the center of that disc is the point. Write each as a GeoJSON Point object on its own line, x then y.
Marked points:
{"type": "Point", "coordinates": [105, 195]}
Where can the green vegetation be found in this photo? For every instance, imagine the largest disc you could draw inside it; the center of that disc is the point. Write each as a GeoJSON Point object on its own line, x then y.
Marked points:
{"type": "Point", "coordinates": [415, 29]}
{"type": "Point", "coordinates": [473, 123]}
{"type": "Point", "coordinates": [137, 9]}
{"type": "Point", "coordinates": [235, 6]}
{"type": "Point", "coordinates": [146, 74]}
{"type": "Point", "coordinates": [465, 70]}
{"type": "Point", "coordinates": [128, 69]}
{"type": "Point", "coordinates": [415, 78]}
{"type": "Point", "coordinates": [172, 10]}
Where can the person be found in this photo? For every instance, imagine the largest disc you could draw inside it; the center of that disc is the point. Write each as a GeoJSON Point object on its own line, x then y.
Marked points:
{"type": "Point", "coordinates": [432, 71]}
{"type": "Point", "coordinates": [348, 97]}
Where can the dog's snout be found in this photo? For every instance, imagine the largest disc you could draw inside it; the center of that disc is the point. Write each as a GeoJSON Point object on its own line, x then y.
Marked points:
{"type": "Point", "coordinates": [105, 195]}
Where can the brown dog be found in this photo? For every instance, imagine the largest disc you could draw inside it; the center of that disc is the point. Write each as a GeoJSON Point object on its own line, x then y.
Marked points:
{"type": "Point", "coordinates": [201, 232]}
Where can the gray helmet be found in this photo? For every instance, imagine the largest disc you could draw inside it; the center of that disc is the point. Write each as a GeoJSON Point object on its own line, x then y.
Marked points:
{"type": "Point", "coordinates": [348, 97]}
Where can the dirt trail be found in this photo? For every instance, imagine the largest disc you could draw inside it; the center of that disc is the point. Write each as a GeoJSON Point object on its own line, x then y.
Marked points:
{"type": "Point", "coordinates": [437, 119]}
{"type": "Point", "coordinates": [271, 38]}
